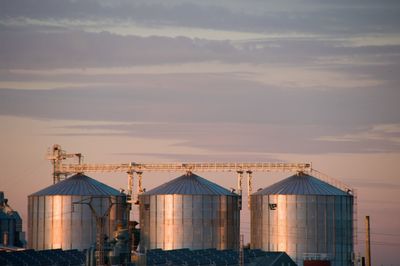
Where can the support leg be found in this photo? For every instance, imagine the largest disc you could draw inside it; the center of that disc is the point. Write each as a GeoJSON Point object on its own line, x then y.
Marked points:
{"type": "Point", "coordinates": [239, 189]}
{"type": "Point", "coordinates": [249, 187]}
{"type": "Point", "coordinates": [130, 183]}
{"type": "Point", "coordinates": [239, 182]}
{"type": "Point", "coordinates": [139, 187]}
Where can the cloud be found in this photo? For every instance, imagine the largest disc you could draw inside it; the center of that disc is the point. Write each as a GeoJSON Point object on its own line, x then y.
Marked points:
{"type": "Point", "coordinates": [259, 16]}
{"type": "Point", "coordinates": [294, 63]}
{"type": "Point", "coordinates": [206, 98]}
{"type": "Point", "coordinates": [375, 185]}
{"type": "Point", "coordinates": [178, 75]}
{"type": "Point", "coordinates": [389, 133]}
{"type": "Point", "coordinates": [230, 140]}
{"type": "Point", "coordinates": [306, 64]}
{"type": "Point", "coordinates": [242, 116]}
{"type": "Point", "coordinates": [204, 157]}
{"type": "Point", "coordinates": [78, 49]}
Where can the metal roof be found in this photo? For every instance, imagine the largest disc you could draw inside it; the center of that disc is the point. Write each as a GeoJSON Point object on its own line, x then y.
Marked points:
{"type": "Point", "coordinates": [190, 184]}
{"type": "Point", "coordinates": [302, 184]}
{"type": "Point", "coordinates": [78, 184]}
{"type": "Point", "coordinates": [276, 258]}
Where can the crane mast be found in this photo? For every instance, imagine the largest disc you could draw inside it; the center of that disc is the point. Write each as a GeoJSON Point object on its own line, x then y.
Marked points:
{"type": "Point", "coordinates": [57, 155]}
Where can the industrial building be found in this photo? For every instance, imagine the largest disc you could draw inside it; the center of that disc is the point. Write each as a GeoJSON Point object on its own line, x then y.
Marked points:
{"type": "Point", "coordinates": [251, 257]}
{"type": "Point", "coordinates": [43, 258]}
{"type": "Point", "coordinates": [190, 220]}
{"type": "Point", "coordinates": [68, 214]}
{"type": "Point", "coordinates": [11, 234]}
{"type": "Point", "coordinates": [307, 218]}
{"type": "Point", "coordinates": [189, 212]}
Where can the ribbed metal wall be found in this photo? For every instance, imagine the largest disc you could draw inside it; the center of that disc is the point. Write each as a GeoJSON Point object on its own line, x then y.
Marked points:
{"type": "Point", "coordinates": [207, 217]}
{"type": "Point", "coordinates": [55, 222]}
{"type": "Point", "coordinates": [308, 225]}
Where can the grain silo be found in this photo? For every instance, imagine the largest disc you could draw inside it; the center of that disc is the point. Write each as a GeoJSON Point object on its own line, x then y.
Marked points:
{"type": "Point", "coordinates": [59, 216]}
{"type": "Point", "coordinates": [189, 212]}
{"type": "Point", "coordinates": [305, 217]}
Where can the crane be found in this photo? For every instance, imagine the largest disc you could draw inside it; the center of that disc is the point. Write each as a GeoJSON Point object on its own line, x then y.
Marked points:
{"type": "Point", "coordinates": [57, 155]}
{"type": "Point", "coordinates": [60, 169]}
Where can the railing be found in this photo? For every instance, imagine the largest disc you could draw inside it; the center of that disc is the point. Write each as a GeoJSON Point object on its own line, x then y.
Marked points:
{"type": "Point", "coordinates": [182, 167]}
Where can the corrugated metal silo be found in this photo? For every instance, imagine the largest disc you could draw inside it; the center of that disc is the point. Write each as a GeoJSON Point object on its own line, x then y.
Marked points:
{"type": "Point", "coordinates": [56, 221]}
{"type": "Point", "coordinates": [305, 217]}
{"type": "Point", "coordinates": [189, 212]}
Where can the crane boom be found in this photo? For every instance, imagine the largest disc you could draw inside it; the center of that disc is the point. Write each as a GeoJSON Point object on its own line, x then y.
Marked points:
{"type": "Point", "coordinates": [184, 167]}
{"type": "Point", "coordinates": [60, 169]}
{"type": "Point", "coordinates": [57, 156]}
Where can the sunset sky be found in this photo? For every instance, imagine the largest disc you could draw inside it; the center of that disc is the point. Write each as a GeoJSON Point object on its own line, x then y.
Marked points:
{"type": "Point", "coordinates": [168, 81]}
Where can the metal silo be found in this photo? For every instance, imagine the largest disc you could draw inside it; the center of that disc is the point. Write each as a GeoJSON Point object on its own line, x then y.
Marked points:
{"type": "Point", "coordinates": [59, 216]}
{"type": "Point", "coordinates": [189, 212]}
{"type": "Point", "coordinates": [305, 217]}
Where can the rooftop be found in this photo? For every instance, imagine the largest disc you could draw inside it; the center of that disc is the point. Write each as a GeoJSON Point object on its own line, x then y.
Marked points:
{"type": "Point", "coordinates": [190, 184]}
{"type": "Point", "coordinates": [302, 184]}
{"type": "Point", "coordinates": [78, 184]}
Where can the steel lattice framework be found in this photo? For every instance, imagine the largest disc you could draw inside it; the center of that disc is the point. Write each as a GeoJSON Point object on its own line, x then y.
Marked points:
{"type": "Point", "coordinates": [61, 170]}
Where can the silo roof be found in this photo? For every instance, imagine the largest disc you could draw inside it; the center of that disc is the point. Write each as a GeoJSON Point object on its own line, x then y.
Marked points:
{"type": "Point", "coordinates": [78, 184]}
{"type": "Point", "coordinates": [302, 184]}
{"type": "Point", "coordinates": [190, 184]}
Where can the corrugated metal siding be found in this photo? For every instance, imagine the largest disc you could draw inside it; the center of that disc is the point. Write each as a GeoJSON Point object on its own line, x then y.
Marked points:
{"type": "Point", "coordinates": [301, 184]}
{"type": "Point", "coordinates": [79, 184]}
{"type": "Point", "coordinates": [190, 184]}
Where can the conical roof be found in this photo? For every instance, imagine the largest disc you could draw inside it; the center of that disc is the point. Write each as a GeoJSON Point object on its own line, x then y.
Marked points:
{"type": "Point", "coordinates": [301, 184]}
{"type": "Point", "coordinates": [78, 184]}
{"type": "Point", "coordinates": [190, 184]}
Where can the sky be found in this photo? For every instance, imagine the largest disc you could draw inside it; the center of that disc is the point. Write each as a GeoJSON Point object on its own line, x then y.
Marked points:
{"type": "Point", "coordinates": [170, 81]}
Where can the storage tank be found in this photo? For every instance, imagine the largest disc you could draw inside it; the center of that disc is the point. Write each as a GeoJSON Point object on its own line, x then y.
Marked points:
{"type": "Point", "coordinates": [59, 216]}
{"type": "Point", "coordinates": [307, 218]}
{"type": "Point", "coordinates": [189, 212]}
{"type": "Point", "coordinates": [11, 234]}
